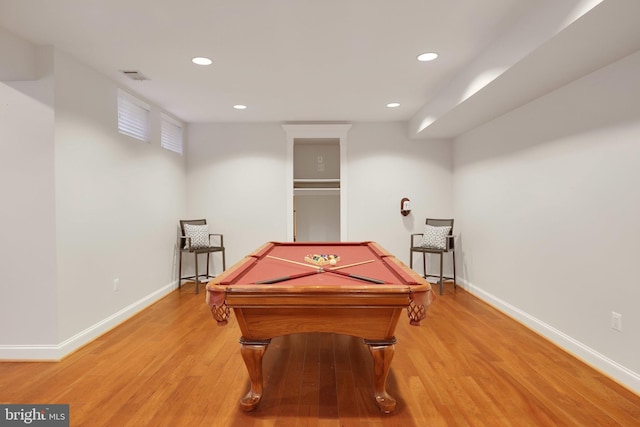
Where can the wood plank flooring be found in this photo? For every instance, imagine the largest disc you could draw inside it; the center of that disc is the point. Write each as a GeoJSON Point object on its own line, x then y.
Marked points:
{"type": "Point", "coordinates": [467, 365]}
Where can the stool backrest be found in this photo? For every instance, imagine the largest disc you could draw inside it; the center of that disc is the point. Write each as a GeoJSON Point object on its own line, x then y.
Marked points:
{"type": "Point", "coordinates": [190, 222]}
{"type": "Point", "coordinates": [437, 222]}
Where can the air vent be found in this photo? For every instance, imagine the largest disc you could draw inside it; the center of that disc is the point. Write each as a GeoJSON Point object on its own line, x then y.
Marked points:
{"type": "Point", "coordinates": [135, 75]}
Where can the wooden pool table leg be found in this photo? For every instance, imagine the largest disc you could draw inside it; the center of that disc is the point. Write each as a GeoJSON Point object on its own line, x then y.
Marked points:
{"type": "Point", "coordinates": [382, 353]}
{"type": "Point", "coordinates": [252, 353]}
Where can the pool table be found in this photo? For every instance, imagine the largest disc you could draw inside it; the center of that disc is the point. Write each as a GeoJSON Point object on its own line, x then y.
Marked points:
{"type": "Point", "coordinates": [279, 289]}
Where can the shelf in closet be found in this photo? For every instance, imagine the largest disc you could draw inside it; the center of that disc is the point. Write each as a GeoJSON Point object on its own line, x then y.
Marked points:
{"type": "Point", "coordinates": [316, 187]}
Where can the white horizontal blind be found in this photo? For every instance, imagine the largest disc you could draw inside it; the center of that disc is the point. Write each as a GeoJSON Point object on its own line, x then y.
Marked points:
{"type": "Point", "coordinates": [133, 116]}
{"type": "Point", "coordinates": [170, 134]}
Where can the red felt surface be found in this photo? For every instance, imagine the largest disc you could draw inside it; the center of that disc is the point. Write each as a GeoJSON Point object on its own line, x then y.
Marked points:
{"type": "Point", "coordinates": [261, 266]}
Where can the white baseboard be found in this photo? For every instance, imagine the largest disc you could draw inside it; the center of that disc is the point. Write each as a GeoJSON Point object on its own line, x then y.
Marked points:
{"type": "Point", "coordinates": [602, 363]}
{"type": "Point", "coordinates": [56, 352]}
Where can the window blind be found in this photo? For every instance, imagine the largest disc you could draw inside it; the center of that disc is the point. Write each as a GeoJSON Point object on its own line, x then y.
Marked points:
{"type": "Point", "coordinates": [170, 134]}
{"type": "Point", "coordinates": [133, 116]}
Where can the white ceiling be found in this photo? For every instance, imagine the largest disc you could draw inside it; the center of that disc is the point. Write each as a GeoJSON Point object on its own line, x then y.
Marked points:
{"type": "Point", "coordinates": [334, 60]}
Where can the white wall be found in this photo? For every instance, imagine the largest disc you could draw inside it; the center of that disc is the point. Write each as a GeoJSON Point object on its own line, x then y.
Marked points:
{"type": "Point", "coordinates": [236, 179]}
{"type": "Point", "coordinates": [83, 205]}
{"type": "Point", "coordinates": [118, 201]}
{"type": "Point", "coordinates": [547, 207]}
{"type": "Point", "coordinates": [28, 310]}
{"type": "Point", "coordinates": [384, 166]}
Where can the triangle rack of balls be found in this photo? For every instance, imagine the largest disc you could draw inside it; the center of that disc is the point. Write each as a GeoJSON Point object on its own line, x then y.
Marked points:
{"type": "Point", "coordinates": [322, 259]}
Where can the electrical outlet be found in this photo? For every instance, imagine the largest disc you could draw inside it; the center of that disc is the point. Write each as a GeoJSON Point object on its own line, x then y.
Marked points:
{"type": "Point", "coordinates": [116, 283]}
{"type": "Point", "coordinates": [616, 321]}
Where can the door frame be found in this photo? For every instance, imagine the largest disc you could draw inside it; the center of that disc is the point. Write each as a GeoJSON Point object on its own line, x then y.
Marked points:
{"type": "Point", "coordinates": [320, 131]}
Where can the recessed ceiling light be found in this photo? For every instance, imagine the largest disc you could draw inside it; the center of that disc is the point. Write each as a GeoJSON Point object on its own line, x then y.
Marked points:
{"type": "Point", "coordinates": [200, 60]}
{"type": "Point", "coordinates": [240, 107]}
{"type": "Point", "coordinates": [393, 105]}
{"type": "Point", "coordinates": [430, 56]}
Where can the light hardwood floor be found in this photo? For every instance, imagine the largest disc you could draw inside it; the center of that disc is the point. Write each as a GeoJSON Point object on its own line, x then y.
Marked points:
{"type": "Point", "coordinates": [467, 365]}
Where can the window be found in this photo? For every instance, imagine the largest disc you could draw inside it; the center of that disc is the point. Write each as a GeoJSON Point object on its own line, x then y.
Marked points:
{"type": "Point", "coordinates": [133, 116]}
{"type": "Point", "coordinates": [170, 134]}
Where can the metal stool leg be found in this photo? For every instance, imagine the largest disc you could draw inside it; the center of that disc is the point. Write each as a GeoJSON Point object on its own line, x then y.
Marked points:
{"type": "Point", "coordinates": [454, 269]}
{"type": "Point", "coordinates": [179, 269]}
{"type": "Point", "coordinates": [424, 265]}
{"type": "Point", "coordinates": [441, 279]}
{"type": "Point", "coordinates": [224, 262]}
{"type": "Point", "coordinates": [197, 282]}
